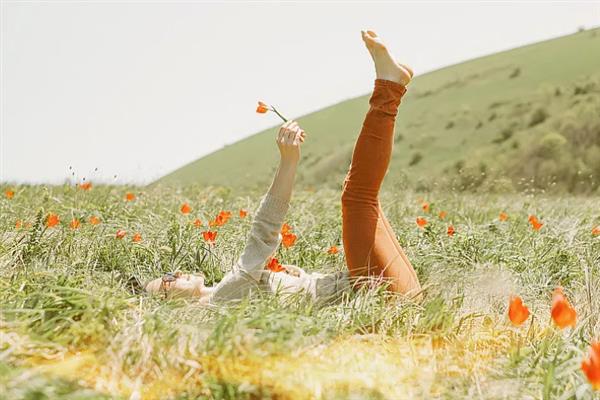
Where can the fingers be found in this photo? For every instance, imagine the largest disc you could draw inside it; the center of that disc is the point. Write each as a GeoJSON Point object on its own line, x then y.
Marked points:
{"type": "Point", "coordinates": [291, 133]}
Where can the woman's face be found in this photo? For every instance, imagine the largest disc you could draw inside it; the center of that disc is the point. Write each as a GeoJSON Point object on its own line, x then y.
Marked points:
{"type": "Point", "coordinates": [184, 285]}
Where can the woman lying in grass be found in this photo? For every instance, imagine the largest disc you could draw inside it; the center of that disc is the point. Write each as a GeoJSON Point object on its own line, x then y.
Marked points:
{"type": "Point", "coordinates": [371, 248]}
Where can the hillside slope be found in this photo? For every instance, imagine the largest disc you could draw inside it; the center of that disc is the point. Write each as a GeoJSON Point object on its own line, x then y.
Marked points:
{"type": "Point", "coordinates": [473, 118]}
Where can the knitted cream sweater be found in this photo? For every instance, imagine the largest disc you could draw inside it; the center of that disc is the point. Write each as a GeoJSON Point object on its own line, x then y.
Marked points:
{"type": "Point", "coordinates": [249, 275]}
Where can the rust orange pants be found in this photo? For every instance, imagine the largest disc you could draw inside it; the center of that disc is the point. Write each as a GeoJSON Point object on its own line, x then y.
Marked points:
{"type": "Point", "coordinates": [370, 244]}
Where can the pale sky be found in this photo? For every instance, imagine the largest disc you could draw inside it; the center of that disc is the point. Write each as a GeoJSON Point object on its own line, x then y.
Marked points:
{"type": "Point", "coordinates": [139, 89]}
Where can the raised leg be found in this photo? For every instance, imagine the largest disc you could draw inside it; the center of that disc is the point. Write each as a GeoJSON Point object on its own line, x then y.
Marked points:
{"type": "Point", "coordinates": [370, 244]}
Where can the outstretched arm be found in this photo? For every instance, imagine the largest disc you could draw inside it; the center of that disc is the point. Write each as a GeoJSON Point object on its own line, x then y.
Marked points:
{"type": "Point", "coordinates": [264, 235]}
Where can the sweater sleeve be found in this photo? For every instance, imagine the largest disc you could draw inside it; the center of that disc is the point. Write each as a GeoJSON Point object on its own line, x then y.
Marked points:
{"type": "Point", "coordinates": [262, 242]}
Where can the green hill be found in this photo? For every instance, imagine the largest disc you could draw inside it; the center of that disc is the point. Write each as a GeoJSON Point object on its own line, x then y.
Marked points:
{"type": "Point", "coordinates": [528, 116]}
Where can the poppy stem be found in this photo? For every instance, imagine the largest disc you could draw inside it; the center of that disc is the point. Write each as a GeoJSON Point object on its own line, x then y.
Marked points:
{"type": "Point", "coordinates": [277, 112]}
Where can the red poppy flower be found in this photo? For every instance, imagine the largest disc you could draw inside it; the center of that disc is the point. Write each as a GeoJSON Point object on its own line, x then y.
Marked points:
{"type": "Point", "coordinates": [536, 224]}
{"type": "Point", "coordinates": [136, 238]}
{"type": "Point", "coordinates": [197, 223]}
{"type": "Point", "coordinates": [591, 365]}
{"type": "Point", "coordinates": [209, 236]}
{"type": "Point", "coordinates": [503, 216]}
{"type": "Point", "coordinates": [517, 311]}
{"type": "Point", "coordinates": [450, 230]}
{"type": "Point", "coordinates": [121, 234]}
{"type": "Point", "coordinates": [274, 266]}
{"type": "Point", "coordinates": [333, 250]}
{"type": "Point", "coordinates": [52, 220]}
{"type": "Point", "coordinates": [562, 312]}
{"type": "Point", "coordinates": [130, 196]}
{"type": "Point", "coordinates": [442, 214]}
{"type": "Point", "coordinates": [9, 194]}
{"type": "Point", "coordinates": [243, 213]}
{"type": "Point", "coordinates": [288, 239]}
{"type": "Point", "coordinates": [94, 220]}
{"type": "Point", "coordinates": [262, 108]}
{"type": "Point", "coordinates": [86, 185]}
{"type": "Point", "coordinates": [185, 208]}
{"type": "Point", "coordinates": [421, 222]}
{"type": "Point", "coordinates": [75, 223]}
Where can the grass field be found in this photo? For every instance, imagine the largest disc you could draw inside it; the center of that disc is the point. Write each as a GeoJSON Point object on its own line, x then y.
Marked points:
{"type": "Point", "coordinates": [70, 328]}
{"type": "Point", "coordinates": [525, 115]}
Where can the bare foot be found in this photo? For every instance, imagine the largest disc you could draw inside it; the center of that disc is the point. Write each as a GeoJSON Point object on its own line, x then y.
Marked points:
{"type": "Point", "coordinates": [385, 66]}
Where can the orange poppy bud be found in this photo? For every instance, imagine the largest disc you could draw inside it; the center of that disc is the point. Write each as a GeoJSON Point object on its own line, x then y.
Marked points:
{"type": "Point", "coordinates": [121, 234]}
{"type": "Point", "coordinates": [274, 266]}
{"type": "Point", "coordinates": [425, 207]}
{"type": "Point", "coordinates": [185, 208]}
{"type": "Point", "coordinates": [86, 186]}
{"type": "Point", "coordinates": [421, 222]}
{"type": "Point", "coordinates": [136, 238]}
{"type": "Point", "coordinates": [94, 220]}
{"type": "Point", "coordinates": [285, 228]}
{"type": "Point", "coordinates": [591, 365]}
{"type": "Point", "coordinates": [442, 214]}
{"type": "Point", "coordinates": [75, 223]}
{"type": "Point", "coordinates": [517, 311]}
{"type": "Point", "coordinates": [562, 312]}
{"type": "Point", "coordinates": [503, 216]}
{"type": "Point", "coordinates": [333, 250]}
{"type": "Point", "coordinates": [535, 223]}
{"type": "Point", "coordinates": [243, 213]}
{"type": "Point", "coordinates": [209, 236]}
{"type": "Point", "coordinates": [450, 230]}
{"type": "Point", "coordinates": [9, 194]}
{"type": "Point", "coordinates": [197, 223]}
{"type": "Point", "coordinates": [52, 220]}
{"type": "Point", "coordinates": [130, 196]}
{"type": "Point", "coordinates": [262, 108]}
{"type": "Point", "coordinates": [288, 239]}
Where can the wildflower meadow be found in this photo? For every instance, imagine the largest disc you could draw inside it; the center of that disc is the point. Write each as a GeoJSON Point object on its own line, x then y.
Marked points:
{"type": "Point", "coordinates": [509, 309]}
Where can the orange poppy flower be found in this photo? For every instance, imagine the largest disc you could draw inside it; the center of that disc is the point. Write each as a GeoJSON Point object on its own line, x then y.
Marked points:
{"type": "Point", "coordinates": [562, 312]}
{"type": "Point", "coordinates": [596, 231]}
{"type": "Point", "coordinates": [75, 223]}
{"type": "Point", "coordinates": [288, 239]}
{"type": "Point", "coordinates": [262, 108]}
{"type": "Point", "coordinates": [121, 234]}
{"type": "Point", "coordinates": [442, 214]}
{"type": "Point", "coordinates": [591, 365]}
{"type": "Point", "coordinates": [517, 311]}
{"type": "Point", "coordinates": [94, 220]}
{"type": "Point", "coordinates": [450, 230]}
{"type": "Point", "coordinates": [52, 220]}
{"type": "Point", "coordinates": [535, 223]}
{"type": "Point", "coordinates": [9, 194]}
{"type": "Point", "coordinates": [243, 213]}
{"type": "Point", "coordinates": [197, 223]}
{"type": "Point", "coordinates": [86, 185]}
{"type": "Point", "coordinates": [503, 216]}
{"type": "Point", "coordinates": [333, 250]}
{"type": "Point", "coordinates": [130, 196]}
{"type": "Point", "coordinates": [18, 224]}
{"type": "Point", "coordinates": [185, 208]}
{"type": "Point", "coordinates": [425, 207]}
{"type": "Point", "coordinates": [274, 266]}
{"type": "Point", "coordinates": [285, 228]}
{"type": "Point", "coordinates": [136, 238]}
{"type": "Point", "coordinates": [421, 222]}
{"type": "Point", "coordinates": [209, 236]}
